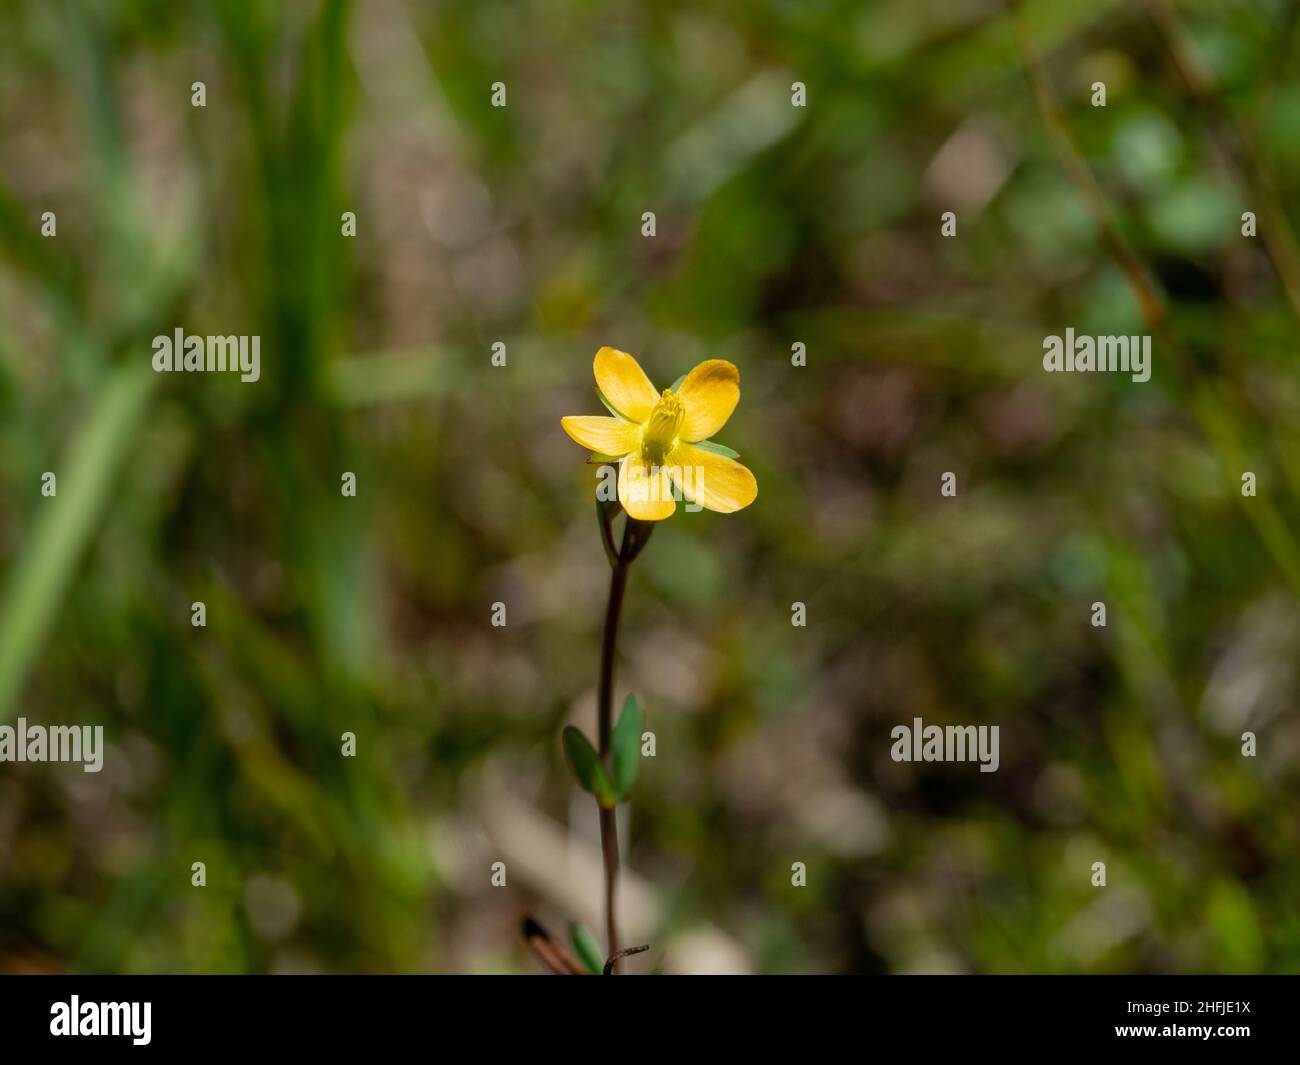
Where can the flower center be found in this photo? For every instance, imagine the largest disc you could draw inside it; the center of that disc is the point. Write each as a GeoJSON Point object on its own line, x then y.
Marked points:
{"type": "Point", "coordinates": [659, 433]}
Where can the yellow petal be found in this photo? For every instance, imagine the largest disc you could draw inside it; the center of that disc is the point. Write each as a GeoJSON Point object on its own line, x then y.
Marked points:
{"type": "Point", "coordinates": [606, 436]}
{"type": "Point", "coordinates": [709, 393]}
{"type": "Point", "coordinates": [645, 492]}
{"type": "Point", "coordinates": [622, 381]}
{"type": "Point", "coordinates": [712, 480]}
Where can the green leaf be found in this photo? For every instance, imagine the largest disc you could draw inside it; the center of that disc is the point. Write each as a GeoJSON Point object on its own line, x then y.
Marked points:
{"type": "Point", "coordinates": [584, 946]}
{"type": "Point", "coordinates": [597, 459]}
{"type": "Point", "coordinates": [678, 383]}
{"type": "Point", "coordinates": [611, 408]}
{"type": "Point", "coordinates": [717, 449]}
{"type": "Point", "coordinates": [587, 766]}
{"type": "Point", "coordinates": [626, 746]}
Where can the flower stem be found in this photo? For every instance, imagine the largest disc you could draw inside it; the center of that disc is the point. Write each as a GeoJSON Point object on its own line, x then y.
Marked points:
{"type": "Point", "coordinates": [617, 586]}
{"type": "Point", "coordinates": [633, 541]}
{"type": "Point", "coordinates": [605, 705]}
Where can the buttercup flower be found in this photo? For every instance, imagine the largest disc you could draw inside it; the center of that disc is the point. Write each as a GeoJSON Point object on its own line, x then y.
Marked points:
{"type": "Point", "coordinates": [661, 439]}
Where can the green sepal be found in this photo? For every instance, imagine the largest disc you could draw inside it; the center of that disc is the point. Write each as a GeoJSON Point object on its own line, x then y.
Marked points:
{"type": "Point", "coordinates": [611, 408]}
{"type": "Point", "coordinates": [678, 383]}
{"type": "Point", "coordinates": [636, 535]}
{"type": "Point", "coordinates": [716, 448]}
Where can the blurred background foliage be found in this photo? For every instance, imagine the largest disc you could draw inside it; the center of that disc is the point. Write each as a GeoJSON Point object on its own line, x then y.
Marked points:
{"type": "Point", "coordinates": [776, 225]}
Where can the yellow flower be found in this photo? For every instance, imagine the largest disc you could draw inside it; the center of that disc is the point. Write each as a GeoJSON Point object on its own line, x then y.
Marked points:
{"type": "Point", "coordinates": [661, 439]}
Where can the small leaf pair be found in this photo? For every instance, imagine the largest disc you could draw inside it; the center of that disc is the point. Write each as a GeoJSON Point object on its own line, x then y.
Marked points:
{"type": "Point", "coordinates": [609, 786]}
{"type": "Point", "coordinates": [635, 533]}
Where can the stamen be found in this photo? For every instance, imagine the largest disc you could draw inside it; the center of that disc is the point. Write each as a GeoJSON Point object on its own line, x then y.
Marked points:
{"type": "Point", "coordinates": [659, 434]}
